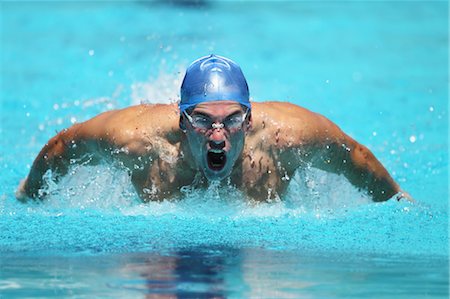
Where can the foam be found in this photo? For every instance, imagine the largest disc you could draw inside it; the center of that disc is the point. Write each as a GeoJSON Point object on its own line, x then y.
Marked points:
{"type": "Point", "coordinates": [108, 188]}
{"type": "Point", "coordinates": [163, 89]}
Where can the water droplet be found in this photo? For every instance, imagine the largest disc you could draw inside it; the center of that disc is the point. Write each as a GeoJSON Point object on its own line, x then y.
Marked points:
{"type": "Point", "coordinates": [327, 81]}
{"type": "Point", "coordinates": [431, 109]}
{"type": "Point", "coordinates": [345, 147]}
{"type": "Point", "coordinates": [73, 120]}
{"type": "Point", "coordinates": [91, 52]}
{"type": "Point", "coordinates": [55, 106]}
{"type": "Point", "coordinates": [374, 133]}
{"type": "Point", "coordinates": [412, 138]}
{"type": "Point", "coordinates": [167, 49]}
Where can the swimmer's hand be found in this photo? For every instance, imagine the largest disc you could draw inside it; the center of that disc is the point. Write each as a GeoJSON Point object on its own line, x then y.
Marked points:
{"type": "Point", "coordinates": [403, 195]}
{"type": "Point", "coordinates": [21, 194]}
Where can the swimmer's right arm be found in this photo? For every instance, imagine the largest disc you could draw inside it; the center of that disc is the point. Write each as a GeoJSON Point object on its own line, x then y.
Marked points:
{"type": "Point", "coordinates": [73, 144]}
{"type": "Point", "coordinates": [54, 156]}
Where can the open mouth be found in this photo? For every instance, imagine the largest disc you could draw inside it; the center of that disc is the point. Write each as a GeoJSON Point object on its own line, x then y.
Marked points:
{"type": "Point", "coordinates": [216, 159]}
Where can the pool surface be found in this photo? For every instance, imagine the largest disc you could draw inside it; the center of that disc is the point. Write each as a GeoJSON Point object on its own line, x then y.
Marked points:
{"type": "Point", "coordinates": [377, 69]}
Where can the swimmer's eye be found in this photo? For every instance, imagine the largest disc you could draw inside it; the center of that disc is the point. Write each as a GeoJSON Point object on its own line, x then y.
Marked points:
{"type": "Point", "coordinates": [234, 121]}
{"type": "Point", "coordinates": [201, 122]}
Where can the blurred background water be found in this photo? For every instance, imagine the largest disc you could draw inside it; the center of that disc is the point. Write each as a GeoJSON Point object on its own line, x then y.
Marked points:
{"type": "Point", "coordinates": [377, 69]}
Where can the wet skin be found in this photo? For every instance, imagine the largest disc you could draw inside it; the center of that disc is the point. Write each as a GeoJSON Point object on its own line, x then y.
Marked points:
{"type": "Point", "coordinates": [273, 142]}
{"type": "Point", "coordinates": [224, 142]}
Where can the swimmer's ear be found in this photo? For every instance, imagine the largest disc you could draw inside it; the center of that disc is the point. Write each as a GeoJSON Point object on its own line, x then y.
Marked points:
{"type": "Point", "coordinates": [249, 122]}
{"type": "Point", "coordinates": [181, 124]}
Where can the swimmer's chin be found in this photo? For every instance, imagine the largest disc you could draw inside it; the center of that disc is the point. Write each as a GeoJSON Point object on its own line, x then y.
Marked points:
{"type": "Point", "coordinates": [216, 175]}
{"type": "Point", "coordinates": [212, 174]}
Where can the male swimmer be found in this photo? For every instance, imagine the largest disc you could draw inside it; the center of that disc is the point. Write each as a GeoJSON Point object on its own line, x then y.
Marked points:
{"type": "Point", "coordinates": [214, 134]}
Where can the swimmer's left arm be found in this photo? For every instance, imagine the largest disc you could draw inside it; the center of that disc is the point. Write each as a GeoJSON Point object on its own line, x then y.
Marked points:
{"type": "Point", "coordinates": [332, 150]}
{"type": "Point", "coordinates": [358, 164]}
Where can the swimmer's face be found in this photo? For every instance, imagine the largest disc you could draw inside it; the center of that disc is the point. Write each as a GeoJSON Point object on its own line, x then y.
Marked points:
{"type": "Point", "coordinates": [216, 132]}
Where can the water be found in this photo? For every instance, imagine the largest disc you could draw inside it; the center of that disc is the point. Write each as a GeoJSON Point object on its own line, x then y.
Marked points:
{"type": "Point", "coordinates": [377, 69]}
{"type": "Point", "coordinates": [226, 272]}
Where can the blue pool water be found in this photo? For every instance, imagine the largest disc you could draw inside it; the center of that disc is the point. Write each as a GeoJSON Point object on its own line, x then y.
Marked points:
{"type": "Point", "coordinates": [377, 69]}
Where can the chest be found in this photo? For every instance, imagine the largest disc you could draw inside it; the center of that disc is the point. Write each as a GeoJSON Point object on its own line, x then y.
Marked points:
{"type": "Point", "coordinates": [263, 175]}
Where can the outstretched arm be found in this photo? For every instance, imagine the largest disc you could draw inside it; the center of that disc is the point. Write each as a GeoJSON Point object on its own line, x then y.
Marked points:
{"type": "Point", "coordinates": [339, 153]}
{"type": "Point", "coordinates": [76, 144]}
{"type": "Point", "coordinates": [130, 136]}
{"type": "Point", "coordinates": [56, 156]}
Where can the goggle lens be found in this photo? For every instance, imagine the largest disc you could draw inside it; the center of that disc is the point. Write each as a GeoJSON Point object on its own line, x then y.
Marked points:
{"type": "Point", "coordinates": [205, 123]}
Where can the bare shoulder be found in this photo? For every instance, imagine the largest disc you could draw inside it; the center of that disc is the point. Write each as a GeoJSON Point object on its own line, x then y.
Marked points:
{"type": "Point", "coordinates": [134, 127]}
{"type": "Point", "coordinates": [287, 124]}
{"type": "Point", "coordinates": [157, 117]}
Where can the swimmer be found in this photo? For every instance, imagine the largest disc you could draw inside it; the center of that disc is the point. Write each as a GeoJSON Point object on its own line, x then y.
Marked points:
{"type": "Point", "coordinates": [214, 134]}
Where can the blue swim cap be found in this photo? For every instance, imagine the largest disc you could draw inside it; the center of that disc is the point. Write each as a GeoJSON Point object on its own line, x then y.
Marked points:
{"type": "Point", "coordinates": [213, 78]}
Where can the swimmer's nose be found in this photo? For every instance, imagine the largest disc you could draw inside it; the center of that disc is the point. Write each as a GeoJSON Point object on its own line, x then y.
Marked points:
{"type": "Point", "coordinates": [217, 144]}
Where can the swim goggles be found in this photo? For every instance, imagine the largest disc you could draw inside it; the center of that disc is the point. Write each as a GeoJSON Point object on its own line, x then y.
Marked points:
{"type": "Point", "coordinates": [203, 122]}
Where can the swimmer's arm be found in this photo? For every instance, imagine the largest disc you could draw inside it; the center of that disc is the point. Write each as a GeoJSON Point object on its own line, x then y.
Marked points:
{"type": "Point", "coordinates": [358, 164]}
{"type": "Point", "coordinates": [332, 150]}
{"type": "Point", "coordinates": [54, 156]}
{"type": "Point", "coordinates": [80, 143]}
{"type": "Point", "coordinates": [108, 134]}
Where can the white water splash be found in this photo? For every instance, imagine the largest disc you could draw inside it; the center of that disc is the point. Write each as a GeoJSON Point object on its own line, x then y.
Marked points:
{"type": "Point", "coordinates": [108, 188]}
{"type": "Point", "coordinates": [318, 190]}
{"type": "Point", "coordinates": [162, 89]}
{"type": "Point", "coordinates": [101, 187]}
